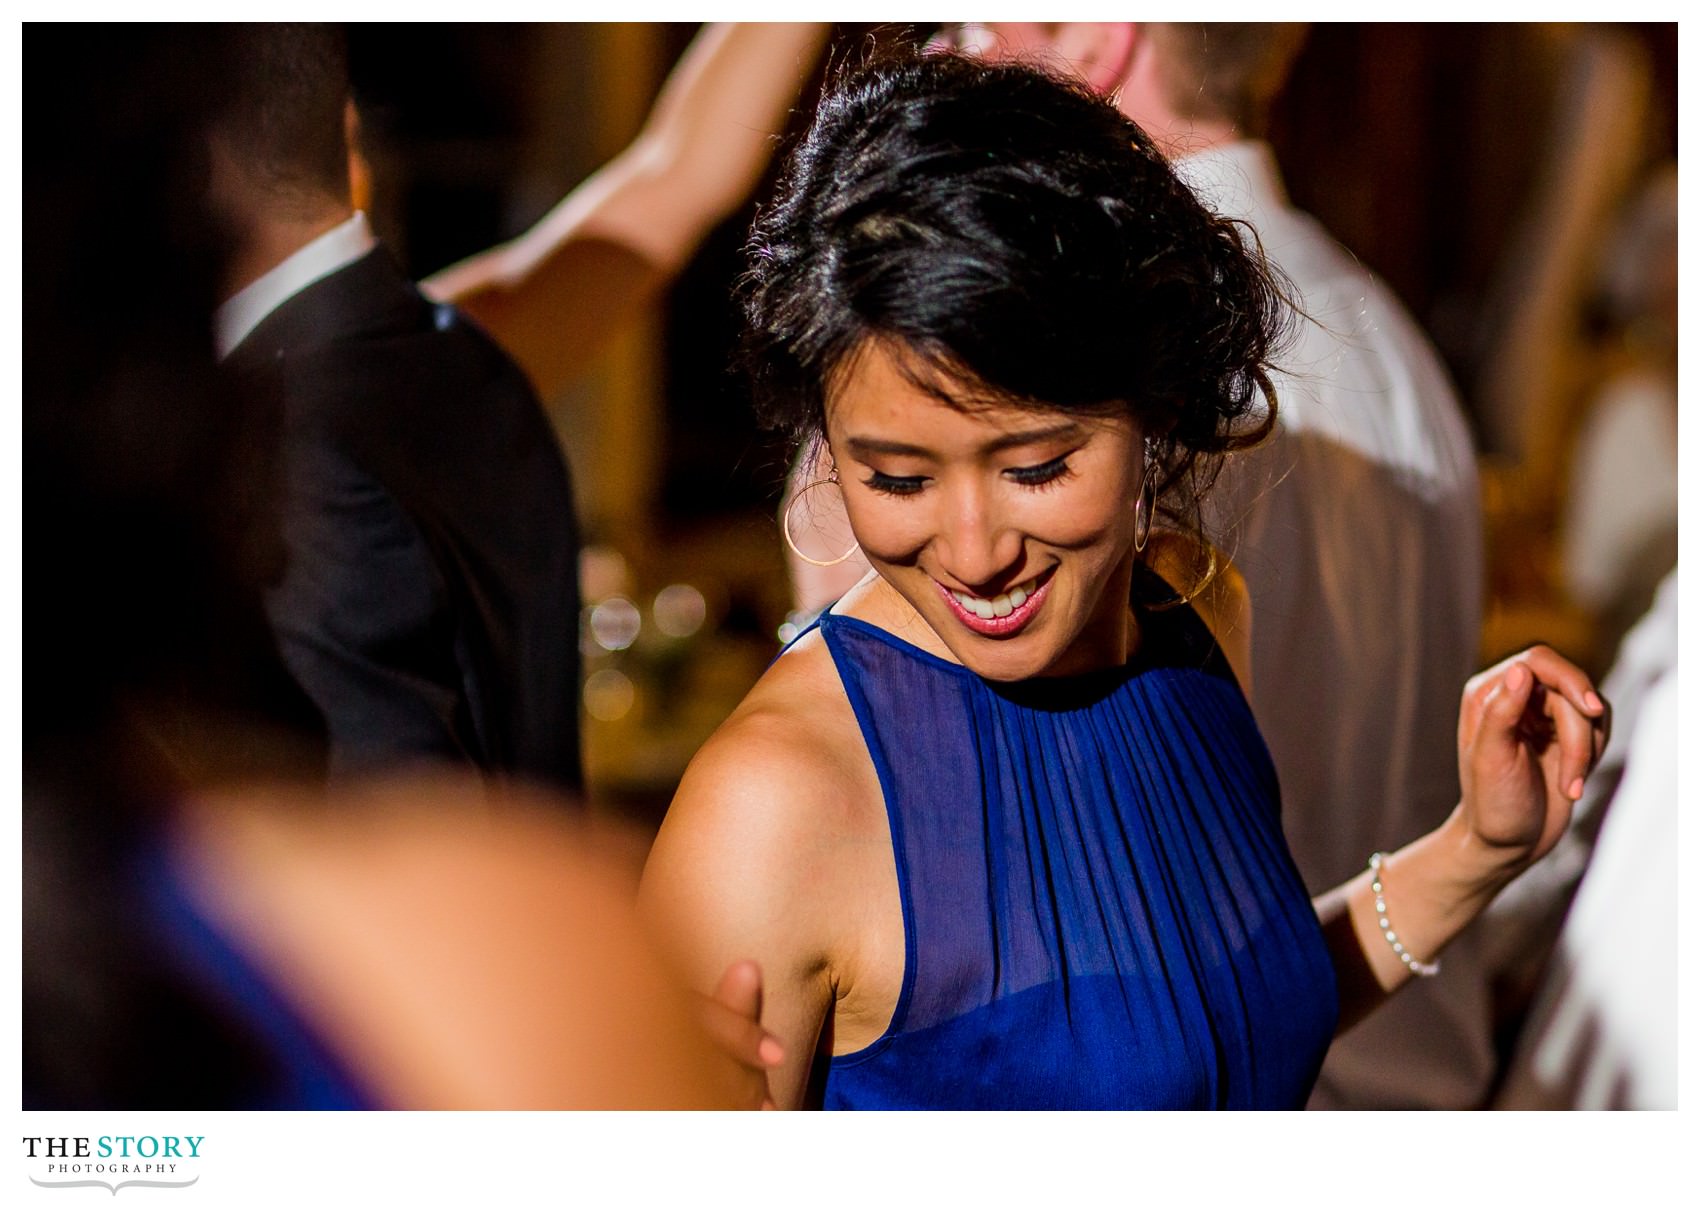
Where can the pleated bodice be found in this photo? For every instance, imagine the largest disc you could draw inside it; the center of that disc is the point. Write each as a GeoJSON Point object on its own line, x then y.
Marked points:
{"type": "Point", "coordinates": [1098, 906]}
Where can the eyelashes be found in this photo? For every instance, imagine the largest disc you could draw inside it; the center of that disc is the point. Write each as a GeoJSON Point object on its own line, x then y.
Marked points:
{"type": "Point", "coordinates": [1040, 475]}
{"type": "Point", "coordinates": [895, 486]}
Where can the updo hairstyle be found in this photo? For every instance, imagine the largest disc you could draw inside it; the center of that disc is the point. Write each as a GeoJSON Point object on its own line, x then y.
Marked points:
{"type": "Point", "coordinates": [1015, 232]}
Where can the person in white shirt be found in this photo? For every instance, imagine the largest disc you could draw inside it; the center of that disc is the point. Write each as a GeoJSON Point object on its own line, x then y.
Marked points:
{"type": "Point", "coordinates": [1618, 532]}
{"type": "Point", "coordinates": [1603, 1032]}
{"type": "Point", "coordinates": [1357, 529]}
{"type": "Point", "coordinates": [1522, 926]}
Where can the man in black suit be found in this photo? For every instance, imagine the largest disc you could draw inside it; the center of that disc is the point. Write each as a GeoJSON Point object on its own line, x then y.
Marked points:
{"type": "Point", "coordinates": [429, 602]}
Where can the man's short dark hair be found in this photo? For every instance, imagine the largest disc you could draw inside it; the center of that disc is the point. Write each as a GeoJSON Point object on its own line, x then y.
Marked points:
{"type": "Point", "coordinates": [284, 119]}
{"type": "Point", "coordinates": [1228, 70]}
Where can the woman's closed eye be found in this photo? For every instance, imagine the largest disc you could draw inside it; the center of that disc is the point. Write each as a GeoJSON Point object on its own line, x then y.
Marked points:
{"type": "Point", "coordinates": [1041, 475]}
{"type": "Point", "coordinates": [897, 486]}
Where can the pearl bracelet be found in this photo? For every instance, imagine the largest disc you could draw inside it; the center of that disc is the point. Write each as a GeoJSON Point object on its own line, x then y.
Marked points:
{"type": "Point", "coordinates": [1412, 962]}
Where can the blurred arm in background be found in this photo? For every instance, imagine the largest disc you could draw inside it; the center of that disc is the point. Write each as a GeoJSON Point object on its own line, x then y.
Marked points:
{"type": "Point", "coordinates": [449, 944]}
{"type": "Point", "coordinates": [554, 294]}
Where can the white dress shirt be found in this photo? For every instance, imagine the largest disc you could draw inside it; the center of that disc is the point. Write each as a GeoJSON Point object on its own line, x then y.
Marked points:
{"type": "Point", "coordinates": [1623, 487]}
{"type": "Point", "coordinates": [1522, 925]}
{"type": "Point", "coordinates": [240, 314]}
{"type": "Point", "coordinates": [1603, 1032]}
{"type": "Point", "coordinates": [1358, 530]}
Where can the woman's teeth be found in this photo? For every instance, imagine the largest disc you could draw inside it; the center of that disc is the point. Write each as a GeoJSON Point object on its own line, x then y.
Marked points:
{"type": "Point", "coordinates": [1000, 606]}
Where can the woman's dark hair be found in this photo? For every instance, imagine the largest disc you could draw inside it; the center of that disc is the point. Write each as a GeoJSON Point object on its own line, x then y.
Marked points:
{"type": "Point", "coordinates": [1013, 231]}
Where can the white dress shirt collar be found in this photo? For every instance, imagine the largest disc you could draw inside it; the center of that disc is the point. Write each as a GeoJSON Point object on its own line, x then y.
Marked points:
{"type": "Point", "coordinates": [341, 246]}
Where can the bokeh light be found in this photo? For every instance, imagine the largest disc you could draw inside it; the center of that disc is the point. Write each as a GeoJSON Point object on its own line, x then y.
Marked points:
{"type": "Point", "coordinates": [680, 610]}
{"type": "Point", "coordinates": [609, 695]}
{"type": "Point", "coordinates": [615, 623]}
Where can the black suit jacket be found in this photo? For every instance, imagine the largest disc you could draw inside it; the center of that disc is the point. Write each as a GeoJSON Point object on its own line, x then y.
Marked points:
{"type": "Point", "coordinates": [428, 601]}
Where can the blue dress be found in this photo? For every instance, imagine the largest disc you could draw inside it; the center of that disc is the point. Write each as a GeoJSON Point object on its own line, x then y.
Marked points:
{"type": "Point", "coordinates": [1099, 909]}
{"type": "Point", "coordinates": [288, 1066]}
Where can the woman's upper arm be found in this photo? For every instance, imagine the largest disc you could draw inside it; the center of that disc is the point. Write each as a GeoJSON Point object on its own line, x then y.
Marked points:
{"type": "Point", "coordinates": [729, 878]}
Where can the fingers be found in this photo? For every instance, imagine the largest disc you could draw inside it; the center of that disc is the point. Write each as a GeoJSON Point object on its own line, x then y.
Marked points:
{"type": "Point", "coordinates": [1581, 718]}
{"type": "Point", "coordinates": [741, 1038]}
{"type": "Point", "coordinates": [1571, 735]}
{"type": "Point", "coordinates": [1564, 706]}
{"type": "Point", "coordinates": [1563, 678]}
{"type": "Point", "coordinates": [739, 989]}
{"type": "Point", "coordinates": [1558, 676]}
{"type": "Point", "coordinates": [744, 1039]}
{"type": "Point", "coordinates": [1479, 692]}
{"type": "Point", "coordinates": [733, 1017]}
{"type": "Point", "coordinates": [1499, 709]}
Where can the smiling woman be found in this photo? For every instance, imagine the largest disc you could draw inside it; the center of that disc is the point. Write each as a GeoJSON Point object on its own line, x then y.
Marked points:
{"type": "Point", "coordinates": [1000, 832]}
{"type": "Point", "coordinates": [1007, 530]}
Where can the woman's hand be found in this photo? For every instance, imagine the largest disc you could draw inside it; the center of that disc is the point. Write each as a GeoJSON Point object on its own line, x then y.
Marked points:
{"type": "Point", "coordinates": [1529, 731]}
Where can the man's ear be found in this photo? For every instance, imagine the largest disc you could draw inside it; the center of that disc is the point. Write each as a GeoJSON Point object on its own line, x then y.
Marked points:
{"type": "Point", "coordinates": [359, 168]}
{"type": "Point", "coordinates": [1100, 51]}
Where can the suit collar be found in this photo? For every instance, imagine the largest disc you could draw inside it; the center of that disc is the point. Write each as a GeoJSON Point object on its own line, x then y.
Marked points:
{"type": "Point", "coordinates": [368, 296]}
{"type": "Point", "coordinates": [342, 245]}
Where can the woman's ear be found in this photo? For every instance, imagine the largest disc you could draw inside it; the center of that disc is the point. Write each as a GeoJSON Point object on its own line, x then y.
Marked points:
{"type": "Point", "coordinates": [1100, 51]}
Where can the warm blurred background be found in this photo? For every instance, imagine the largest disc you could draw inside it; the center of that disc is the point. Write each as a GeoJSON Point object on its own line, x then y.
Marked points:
{"type": "Point", "coordinates": [1515, 184]}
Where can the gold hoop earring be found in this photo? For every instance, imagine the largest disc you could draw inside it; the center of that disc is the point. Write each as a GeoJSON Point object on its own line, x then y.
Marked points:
{"type": "Point", "coordinates": [785, 529]}
{"type": "Point", "coordinates": [1145, 507]}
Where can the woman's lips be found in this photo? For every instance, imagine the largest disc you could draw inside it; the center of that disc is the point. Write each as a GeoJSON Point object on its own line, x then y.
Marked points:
{"type": "Point", "coordinates": [1003, 615]}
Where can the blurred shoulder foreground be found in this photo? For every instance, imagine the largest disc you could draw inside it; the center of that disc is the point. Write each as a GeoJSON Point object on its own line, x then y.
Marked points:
{"type": "Point", "coordinates": [203, 926]}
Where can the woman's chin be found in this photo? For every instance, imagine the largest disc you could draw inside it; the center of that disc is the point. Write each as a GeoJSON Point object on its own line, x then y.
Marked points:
{"type": "Point", "coordinates": [1002, 660]}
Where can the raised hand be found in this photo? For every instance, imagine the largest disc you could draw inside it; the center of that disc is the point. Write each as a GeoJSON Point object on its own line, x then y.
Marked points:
{"type": "Point", "coordinates": [1530, 729]}
{"type": "Point", "coordinates": [731, 1016]}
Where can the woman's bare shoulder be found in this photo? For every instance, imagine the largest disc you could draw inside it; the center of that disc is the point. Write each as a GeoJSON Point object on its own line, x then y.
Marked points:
{"type": "Point", "coordinates": [791, 755]}
{"type": "Point", "coordinates": [772, 821]}
{"type": "Point", "coordinates": [773, 846]}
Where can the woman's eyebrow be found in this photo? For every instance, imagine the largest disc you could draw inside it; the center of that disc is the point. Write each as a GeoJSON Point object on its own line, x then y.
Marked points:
{"type": "Point", "coordinates": [860, 445]}
{"type": "Point", "coordinates": [1027, 437]}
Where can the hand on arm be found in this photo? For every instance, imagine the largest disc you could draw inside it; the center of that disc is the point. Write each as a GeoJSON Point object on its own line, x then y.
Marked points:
{"type": "Point", "coordinates": [726, 888]}
{"type": "Point", "coordinates": [552, 295]}
{"type": "Point", "coordinates": [731, 1017]}
{"type": "Point", "coordinates": [1529, 731]}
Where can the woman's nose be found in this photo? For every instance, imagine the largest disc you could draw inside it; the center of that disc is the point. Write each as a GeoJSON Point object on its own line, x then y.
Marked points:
{"type": "Point", "coordinates": [976, 547]}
